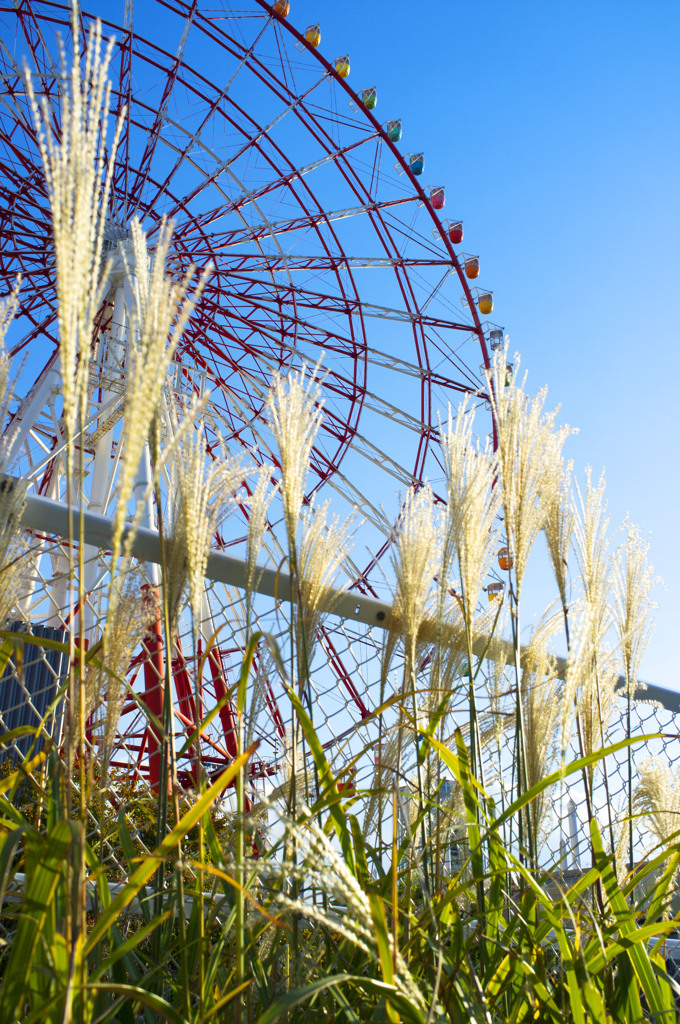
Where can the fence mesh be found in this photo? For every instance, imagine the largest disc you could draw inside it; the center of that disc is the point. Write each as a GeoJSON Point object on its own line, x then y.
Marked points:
{"type": "Point", "coordinates": [352, 699]}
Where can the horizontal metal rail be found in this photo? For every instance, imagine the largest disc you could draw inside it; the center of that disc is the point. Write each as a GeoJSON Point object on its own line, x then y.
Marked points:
{"type": "Point", "coordinates": [54, 518]}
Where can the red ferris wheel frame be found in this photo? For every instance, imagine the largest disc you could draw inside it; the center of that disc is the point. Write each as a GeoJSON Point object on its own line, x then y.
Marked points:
{"type": "Point", "coordinates": [247, 322]}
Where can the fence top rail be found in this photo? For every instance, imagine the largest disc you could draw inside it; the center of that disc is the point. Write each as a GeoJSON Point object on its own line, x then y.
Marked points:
{"type": "Point", "coordinates": [54, 518]}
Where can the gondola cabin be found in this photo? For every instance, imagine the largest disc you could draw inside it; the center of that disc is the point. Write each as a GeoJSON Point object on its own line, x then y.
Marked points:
{"type": "Point", "coordinates": [495, 591]}
{"type": "Point", "coordinates": [485, 303]}
{"type": "Point", "coordinates": [437, 197]}
{"type": "Point", "coordinates": [369, 98]}
{"type": "Point", "coordinates": [313, 35]}
{"type": "Point", "coordinates": [282, 8]}
{"type": "Point", "coordinates": [504, 559]}
{"type": "Point", "coordinates": [496, 339]}
{"type": "Point", "coordinates": [342, 66]}
{"type": "Point", "coordinates": [416, 163]}
{"type": "Point", "coordinates": [456, 232]}
{"type": "Point", "coordinates": [472, 267]}
{"type": "Point", "coordinates": [393, 129]}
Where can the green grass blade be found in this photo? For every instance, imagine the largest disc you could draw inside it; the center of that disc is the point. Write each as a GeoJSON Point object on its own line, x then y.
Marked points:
{"type": "Point", "coordinates": [638, 954]}
{"type": "Point", "coordinates": [284, 1003]}
{"type": "Point", "coordinates": [327, 780]}
{"type": "Point", "coordinates": [145, 870]}
{"type": "Point", "coordinates": [137, 994]}
{"type": "Point", "coordinates": [49, 855]}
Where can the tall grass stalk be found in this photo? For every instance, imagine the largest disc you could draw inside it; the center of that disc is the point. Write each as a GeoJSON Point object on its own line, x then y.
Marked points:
{"type": "Point", "coordinates": [78, 168]}
{"type": "Point", "coordinates": [633, 607]}
{"type": "Point", "coordinates": [529, 443]}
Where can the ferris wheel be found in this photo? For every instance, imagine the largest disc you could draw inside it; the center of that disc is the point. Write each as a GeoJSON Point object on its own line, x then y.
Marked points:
{"type": "Point", "coordinates": [324, 241]}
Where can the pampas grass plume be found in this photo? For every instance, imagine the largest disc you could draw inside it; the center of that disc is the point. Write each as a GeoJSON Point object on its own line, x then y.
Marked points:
{"type": "Point", "coordinates": [416, 559]}
{"type": "Point", "coordinates": [529, 443]}
{"type": "Point", "coordinates": [203, 488]}
{"type": "Point", "coordinates": [633, 608]}
{"type": "Point", "coordinates": [163, 308]}
{"type": "Point", "coordinates": [324, 545]}
{"type": "Point", "coordinates": [78, 166]}
{"type": "Point", "coordinates": [294, 408]}
{"type": "Point", "coordinates": [472, 505]}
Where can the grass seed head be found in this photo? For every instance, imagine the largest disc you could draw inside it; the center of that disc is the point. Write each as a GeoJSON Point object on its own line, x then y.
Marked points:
{"type": "Point", "coordinates": [294, 406]}
{"type": "Point", "coordinates": [472, 505]}
{"type": "Point", "coordinates": [529, 443]}
{"type": "Point", "coordinates": [78, 162]}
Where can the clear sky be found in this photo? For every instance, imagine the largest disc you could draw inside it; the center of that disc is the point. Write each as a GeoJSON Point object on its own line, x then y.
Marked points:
{"type": "Point", "coordinates": [555, 130]}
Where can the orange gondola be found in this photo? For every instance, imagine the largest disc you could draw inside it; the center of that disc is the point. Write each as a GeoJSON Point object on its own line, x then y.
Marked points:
{"type": "Point", "coordinates": [472, 267]}
{"type": "Point", "coordinates": [505, 559]}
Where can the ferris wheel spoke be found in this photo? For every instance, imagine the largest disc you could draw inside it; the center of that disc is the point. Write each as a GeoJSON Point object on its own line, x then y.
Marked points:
{"type": "Point", "coordinates": [40, 330]}
{"type": "Point", "coordinates": [250, 197]}
{"type": "Point", "coordinates": [154, 132]}
{"type": "Point", "coordinates": [334, 342]}
{"type": "Point", "coordinates": [332, 304]}
{"type": "Point", "coordinates": [340, 385]}
{"type": "Point", "coordinates": [279, 324]}
{"type": "Point", "coordinates": [256, 262]}
{"type": "Point", "coordinates": [36, 41]}
{"type": "Point", "coordinates": [390, 362]}
{"type": "Point", "coordinates": [245, 233]}
{"type": "Point", "coordinates": [121, 172]}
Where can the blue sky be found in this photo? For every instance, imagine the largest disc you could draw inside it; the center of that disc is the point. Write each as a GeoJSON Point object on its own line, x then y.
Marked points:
{"type": "Point", "coordinates": [555, 130]}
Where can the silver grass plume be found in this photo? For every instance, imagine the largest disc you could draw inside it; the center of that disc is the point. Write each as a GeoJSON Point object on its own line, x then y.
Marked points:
{"type": "Point", "coordinates": [416, 560]}
{"type": "Point", "coordinates": [294, 408]}
{"type": "Point", "coordinates": [416, 557]}
{"type": "Point", "coordinates": [258, 683]}
{"type": "Point", "coordinates": [541, 711]}
{"type": "Point", "coordinates": [595, 694]}
{"type": "Point", "coordinates": [578, 668]}
{"type": "Point", "coordinates": [559, 526]}
{"type": "Point", "coordinates": [657, 796]}
{"type": "Point", "coordinates": [126, 625]}
{"type": "Point", "coordinates": [203, 487]}
{"type": "Point", "coordinates": [497, 685]}
{"type": "Point", "coordinates": [447, 637]}
{"type": "Point", "coordinates": [324, 545]}
{"type": "Point", "coordinates": [590, 680]}
{"type": "Point", "coordinates": [260, 501]}
{"type": "Point", "coordinates": [632, 611]}
{"type": "Point", "coordinates": [472, 505]}
{"type": "Point", "coordinates": [163, 308]}
{"type": "Point", "coordinates": [12, 491]}
{"type": "Point", "coordinates": [529, 441]}
{"type": "Point", "coordinates": [383, 778]}
{"type": "Point", "coordinates": [78, 167]}
{"type": "Point", "coordinates": [632, 607]}
{"type": "Point", "coordinates": [591, 548]}
{"type": "Point", "coordinates": [322, 868]}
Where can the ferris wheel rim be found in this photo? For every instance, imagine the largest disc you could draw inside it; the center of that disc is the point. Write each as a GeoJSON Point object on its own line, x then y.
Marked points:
{"type": "Point", "coordinates": [375, 212]}
{"type": "Point", "coordinates": [131, 45]}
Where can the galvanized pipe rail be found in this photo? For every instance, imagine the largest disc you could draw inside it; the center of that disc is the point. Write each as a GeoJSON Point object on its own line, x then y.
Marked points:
{"type": "Point", "coordinates": [44, 515]}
